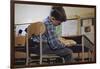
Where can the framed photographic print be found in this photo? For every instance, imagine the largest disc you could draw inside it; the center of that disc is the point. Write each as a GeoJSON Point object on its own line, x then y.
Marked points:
{"type": "Point", "coordinates": [49, 34]}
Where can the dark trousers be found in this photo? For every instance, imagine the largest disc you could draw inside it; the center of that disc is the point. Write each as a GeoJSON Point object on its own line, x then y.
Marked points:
{"type": "Point", "coordinates": [65, 52]}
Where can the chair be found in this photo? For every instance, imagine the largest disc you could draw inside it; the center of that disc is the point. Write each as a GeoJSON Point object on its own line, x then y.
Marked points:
{"type": "Point", "coordinates": [20, 55]}
{"type": "Point", "coordinates": [37, 29]}
{"type": "Point", "coordinates": [81, 47]}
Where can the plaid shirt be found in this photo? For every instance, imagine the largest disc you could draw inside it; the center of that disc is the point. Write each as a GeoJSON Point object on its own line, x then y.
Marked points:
{"type": "Point", "coordinates": [50, 36]}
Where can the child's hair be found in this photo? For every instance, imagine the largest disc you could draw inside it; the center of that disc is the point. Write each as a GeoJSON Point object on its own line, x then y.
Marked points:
{"type": "Point", "coordinates": [58, 13]}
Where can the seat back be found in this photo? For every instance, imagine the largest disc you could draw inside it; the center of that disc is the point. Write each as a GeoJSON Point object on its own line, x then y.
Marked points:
{"type": "Point", "coordinates": [36, 28]}
{"type": "Point", "coordinates": [20, 40]}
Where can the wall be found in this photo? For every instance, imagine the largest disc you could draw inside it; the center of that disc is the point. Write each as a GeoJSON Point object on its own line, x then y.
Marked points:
{"type": "Point", "coordinates": [69, 28]}
{"type": "Point", "coordinates": [25, 13]}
